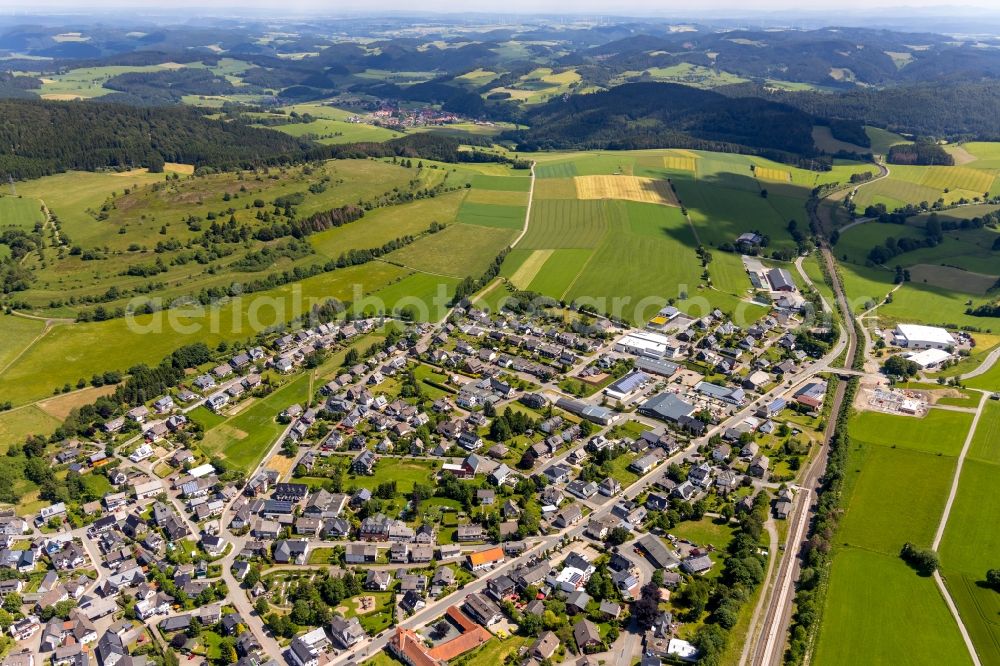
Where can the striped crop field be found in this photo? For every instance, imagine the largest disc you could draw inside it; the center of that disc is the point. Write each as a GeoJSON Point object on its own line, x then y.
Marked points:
{"type": "Point", "coordinates": [769, 173]}
{"type": "Point", "coordinates": [628, 188]}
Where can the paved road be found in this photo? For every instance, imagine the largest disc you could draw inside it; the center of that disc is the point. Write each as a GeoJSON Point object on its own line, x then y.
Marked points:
{"type": "Point", "coordinates": [985, 366]}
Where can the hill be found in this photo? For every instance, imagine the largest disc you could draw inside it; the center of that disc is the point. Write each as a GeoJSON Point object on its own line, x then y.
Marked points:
{"type": "Point", "coordinates": [648, 115]}
{"type": "Point", "coordinates": [39, 138]}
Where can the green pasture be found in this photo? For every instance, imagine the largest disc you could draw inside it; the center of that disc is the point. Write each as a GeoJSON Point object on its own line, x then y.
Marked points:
{"type": "Point", "coordinates": [17, 334]}
{"type": "Point", "coordinates": [20, 212]}
{"type": "Point", "coordinates": [492, 215]}
{"type": "Point", "coordinates": [331, 132]}
{"type": "Point", "coordinates": [425, 296]}
{"type": "Point", "coordinates": [17, 424]}
{"type": "Point", "coordinates": [897, 495]}
{"type": "Point", "coordinates": [385, 224]}
{"type": "Point", "coordinates": [941, 431]}
{"type": "Point", "coordinates": [459, 251]}
{"type": "Point", "coordinates": [877, 609]}
{"type": "Point", "coordinates": [70, 352]}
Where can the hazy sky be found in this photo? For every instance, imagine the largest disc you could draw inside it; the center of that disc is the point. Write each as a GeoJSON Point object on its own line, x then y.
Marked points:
{"type": "Point", "coordinates": [646, 7]}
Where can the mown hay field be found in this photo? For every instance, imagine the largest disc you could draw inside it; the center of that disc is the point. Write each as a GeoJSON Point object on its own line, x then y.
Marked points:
{"type": "Point", "coordinates": [769, 173]}
{"type": "Point", "coordinates": [628, 188]}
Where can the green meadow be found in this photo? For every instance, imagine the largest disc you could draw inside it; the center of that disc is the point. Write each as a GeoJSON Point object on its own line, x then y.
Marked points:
{"type": "Point", "coordinates": [20, 212]}
{"type": "Point", "coordinates": [877, 609]}
{"type": "Point", "coordinates": [75, 351]}
{"type": "Point", "coordinates": [941, 431]}
{"type": "Point", "coordinates": [898, 477]}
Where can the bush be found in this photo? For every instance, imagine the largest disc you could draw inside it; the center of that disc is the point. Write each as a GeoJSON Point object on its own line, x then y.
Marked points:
{"type": "Point", "coordinates": [923, 561]}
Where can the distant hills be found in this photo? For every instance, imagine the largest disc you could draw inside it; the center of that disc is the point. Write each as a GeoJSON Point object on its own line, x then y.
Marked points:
{"type": "Point", "coordinates": [647, 115]}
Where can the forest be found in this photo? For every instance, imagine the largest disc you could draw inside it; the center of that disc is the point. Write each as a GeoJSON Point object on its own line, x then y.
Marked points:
{"type": "Point", "coordinates": [647, 115]}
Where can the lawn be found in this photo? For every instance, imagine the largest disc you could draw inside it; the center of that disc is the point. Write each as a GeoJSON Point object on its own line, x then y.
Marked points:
{"type": "Point", "coordinates": [496, 651]}
{"type": "Point", "coordinates": [375, 620]}
{"type": "Point", "coordinates": [878, 609]}
{"type": "Point", "coordinates": [941, 431]}
{"type": "Point", "coordinates": [206, 417]}
{"type": "Point", "coordinates": [404, 472]}
{"type": "Point", "coordinates": [245, 438]}
{"type": "Point", "coordinates": [705, 532]}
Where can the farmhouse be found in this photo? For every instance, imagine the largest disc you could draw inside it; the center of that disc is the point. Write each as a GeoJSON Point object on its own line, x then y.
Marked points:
{"type": "Point", "coordinates": [914, 336]}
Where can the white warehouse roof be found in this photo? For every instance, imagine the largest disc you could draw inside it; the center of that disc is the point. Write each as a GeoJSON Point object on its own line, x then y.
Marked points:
{"type": "Point", "coordinates": [928, 357]}
{"type": "Point", "coordinates": [932, 334]}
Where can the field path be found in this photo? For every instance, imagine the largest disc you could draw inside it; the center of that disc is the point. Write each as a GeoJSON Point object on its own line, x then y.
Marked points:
{"type": "Point", "coordinates": [944, 522]}
{"type": "Point", "coordinates": [527, 213]}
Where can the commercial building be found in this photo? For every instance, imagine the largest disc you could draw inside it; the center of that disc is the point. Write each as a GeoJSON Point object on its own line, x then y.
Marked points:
{"type": "Point", "coordinates": [915, 336]}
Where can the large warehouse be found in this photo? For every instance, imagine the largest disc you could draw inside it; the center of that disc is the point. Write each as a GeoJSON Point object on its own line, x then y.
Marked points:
{"type": "Point", "coordinates": [915, 336]}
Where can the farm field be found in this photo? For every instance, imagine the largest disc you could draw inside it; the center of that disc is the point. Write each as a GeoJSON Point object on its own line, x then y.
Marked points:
{"type": "Point", "coordinates": [892, 495]}
{"type": "Point", "coordinates": [985, 445]}
{"type": "Point", "coordinates": [459, 251]}
{"type": "Point", "coordinates": [17, 424]}
{"type": "Point", "coordinates": [941, 431]}
{"type": "Point", "coordinates": [70, 352]}
{"type": "Point", "coordinates": [385, 224]}
{"type": "Point", "coordinates": [20, 212]}
{"type": "Point", "coordinates": [599, 245]}
{"type": "Point", "coordinates": [330, 132]}
{"type": "Point", "coordinates": [420, 296]}
{"type": "Point", "coordinates": [17, 333]}
{"type": "Point", "coordinates": [569, 223]}
{"type": "Point", "coordinates": [877, 605]}
{"type": "Point", "coordinates": [492, 215]}
{"type": "Point", "coordinates": [969, 549]}
{"type": "Point", "coordinates": [627, 188]}
{"type": "Point", "coordinates": [897, 497]}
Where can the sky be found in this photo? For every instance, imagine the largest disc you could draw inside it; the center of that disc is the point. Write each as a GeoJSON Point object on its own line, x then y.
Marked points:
{"type": "Point", "coordinates": [620, 7]}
